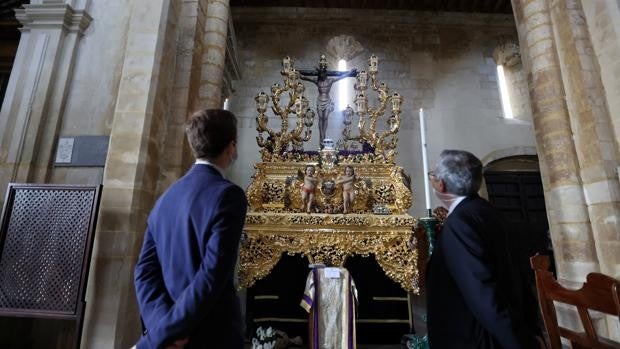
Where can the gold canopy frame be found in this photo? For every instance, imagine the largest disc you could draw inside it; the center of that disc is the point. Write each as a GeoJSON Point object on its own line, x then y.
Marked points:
{"type": "Point", "coordinates": [378, 224]}
{"type": "Point", "coordinates": [329, 239]}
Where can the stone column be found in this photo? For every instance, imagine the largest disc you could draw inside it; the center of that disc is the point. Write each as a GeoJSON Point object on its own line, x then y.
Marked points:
{"type": "Point", "coordinates": [31, 114]}
{"type": "Point", "coordinates": [214, 57]}
{"type": "Point", "coordinates": [603, 21]}
{"type": "Point", "coordinates": [592, 129]}
{"type": "Point", "coordinates": [592, 132]}
{"type": "Point", "coordinates": [131, 172]}
{"type": "Point", "coordinates": [567, 211]}
{"type": "Point", "coordinates": [185, 100]}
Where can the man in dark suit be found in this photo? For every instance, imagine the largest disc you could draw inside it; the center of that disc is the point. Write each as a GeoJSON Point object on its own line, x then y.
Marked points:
{"type": "Point", "coordinates": [474, 293]}
{"type": "Point", "coordinates": [184, 275]}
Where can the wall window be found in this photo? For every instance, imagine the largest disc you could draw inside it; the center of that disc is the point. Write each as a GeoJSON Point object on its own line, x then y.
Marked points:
{"type": "Point", "coordinates": [503, 90]}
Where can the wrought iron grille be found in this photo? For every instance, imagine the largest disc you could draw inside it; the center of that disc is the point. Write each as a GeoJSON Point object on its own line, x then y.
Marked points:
{"type": "Point", "coordinates": [45, 246]}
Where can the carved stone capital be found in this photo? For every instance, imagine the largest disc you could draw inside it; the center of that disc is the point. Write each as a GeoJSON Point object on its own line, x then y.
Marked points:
{"type": "Point", "coordinates": [507, 54]}
{"type": "Point", "coordinates": [56, 15]}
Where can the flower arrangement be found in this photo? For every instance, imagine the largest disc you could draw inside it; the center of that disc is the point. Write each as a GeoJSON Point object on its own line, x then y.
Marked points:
{"type": "Point", "coordinates": [265, 339]}
{"type": "Point", "coordinates": [415, 342]}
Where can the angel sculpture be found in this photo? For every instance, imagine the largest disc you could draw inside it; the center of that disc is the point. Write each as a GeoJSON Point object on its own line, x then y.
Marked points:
{"type": "Point", "coordinates": [348, 193]}
{"type": "Point", "coordinates": [308, 187]}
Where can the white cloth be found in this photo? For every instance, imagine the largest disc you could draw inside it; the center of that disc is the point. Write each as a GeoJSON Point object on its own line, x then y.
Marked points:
{"type": "Point", "coordinates": [330, 297]}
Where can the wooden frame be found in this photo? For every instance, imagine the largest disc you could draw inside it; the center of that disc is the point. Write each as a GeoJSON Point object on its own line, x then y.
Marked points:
{"type": "Point", "coordinates": [600, 292]}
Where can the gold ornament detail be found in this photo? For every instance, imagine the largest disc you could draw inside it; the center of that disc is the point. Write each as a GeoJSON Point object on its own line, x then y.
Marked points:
{"type": "Point", "coordinates": [276, 187]}
{"type": "Point", "coordinates": [286, 100]}
{"type": "Point", "coordinates": [297, 198]}
{"type": "Point", "coordinates": [330, 239]}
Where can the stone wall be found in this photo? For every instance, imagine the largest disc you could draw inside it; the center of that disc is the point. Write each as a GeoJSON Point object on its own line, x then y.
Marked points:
{"type": "Point", "coordinates": [577, 151]}
{"type": "Point", "coordinates": [438, 61]}
{"type": "Point", "coordinates": [98, 67]}
{"type": "Point", "coordinates": [603, 21]}
{"type": "Point", "coordinates": [137, 136]}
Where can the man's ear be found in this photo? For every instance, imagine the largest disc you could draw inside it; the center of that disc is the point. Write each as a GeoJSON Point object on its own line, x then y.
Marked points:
{"type": "Point", "coordinates": [441, 186]}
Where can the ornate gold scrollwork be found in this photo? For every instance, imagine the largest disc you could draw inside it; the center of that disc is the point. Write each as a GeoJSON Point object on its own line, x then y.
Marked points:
{"type": "Point", "coordinates": [330, 239]}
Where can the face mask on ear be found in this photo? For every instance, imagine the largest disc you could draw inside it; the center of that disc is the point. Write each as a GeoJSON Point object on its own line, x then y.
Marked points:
{"type": "Point", "coordinates": [446, 198]}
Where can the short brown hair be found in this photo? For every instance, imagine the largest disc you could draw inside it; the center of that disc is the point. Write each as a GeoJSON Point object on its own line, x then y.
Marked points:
{"type": "Point", "coordinates": [209, 132]}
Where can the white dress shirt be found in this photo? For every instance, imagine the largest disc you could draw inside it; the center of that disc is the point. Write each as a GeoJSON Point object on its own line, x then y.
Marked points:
{"type": "Point", "coordinates": [206, 162]}
{"type": "Point", "coordinates": [455, 203]}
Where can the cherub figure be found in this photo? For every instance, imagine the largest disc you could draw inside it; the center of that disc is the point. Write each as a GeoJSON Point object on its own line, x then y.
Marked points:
{"type": "Point", "coordinates": [308, 187]}
{"type": "Point", "coordinates": [348, 191]}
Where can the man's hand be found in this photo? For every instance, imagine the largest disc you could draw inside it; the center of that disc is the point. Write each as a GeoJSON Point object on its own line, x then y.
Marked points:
{"type": "Point", "coordinates": [179, 344]}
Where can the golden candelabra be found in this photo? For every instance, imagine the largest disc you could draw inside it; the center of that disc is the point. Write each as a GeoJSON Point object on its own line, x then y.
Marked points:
{"type": "Point", "coordinates": [278, 142]}
{"type": "Point", "coordinates": [383, 142]}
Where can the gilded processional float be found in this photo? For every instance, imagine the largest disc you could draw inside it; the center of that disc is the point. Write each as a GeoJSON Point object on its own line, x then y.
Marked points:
{"type": "Point", "coordinates": [335, 202]}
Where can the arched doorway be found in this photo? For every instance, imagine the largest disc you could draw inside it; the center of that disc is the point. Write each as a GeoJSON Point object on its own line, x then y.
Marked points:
{"type": "Point", "coordinates": [514, 186]}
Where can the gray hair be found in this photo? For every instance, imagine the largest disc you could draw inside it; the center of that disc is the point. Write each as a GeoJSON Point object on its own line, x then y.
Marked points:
{"type": "Point", "coordinates": [461, 172]}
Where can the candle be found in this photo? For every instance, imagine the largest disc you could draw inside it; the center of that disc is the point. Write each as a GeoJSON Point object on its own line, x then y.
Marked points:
{"type": "Point", "coordinates": [427, 192]}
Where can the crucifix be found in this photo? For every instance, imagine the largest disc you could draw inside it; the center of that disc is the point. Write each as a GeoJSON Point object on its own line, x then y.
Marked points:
{"type": "Point", "coordinates": [324, 79]}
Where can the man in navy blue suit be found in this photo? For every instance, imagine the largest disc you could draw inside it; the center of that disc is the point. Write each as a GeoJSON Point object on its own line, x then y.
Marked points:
{"type": "Point", "coordinates": [474, 295]}
{"type": "Point", "coordinates": [184, 275]}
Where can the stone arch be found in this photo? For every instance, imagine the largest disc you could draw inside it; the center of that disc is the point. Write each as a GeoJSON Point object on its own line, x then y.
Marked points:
{"type": "Point", "coordinates": [507, 152]}
{"type": "Point", "coordinates": [500, 154]}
